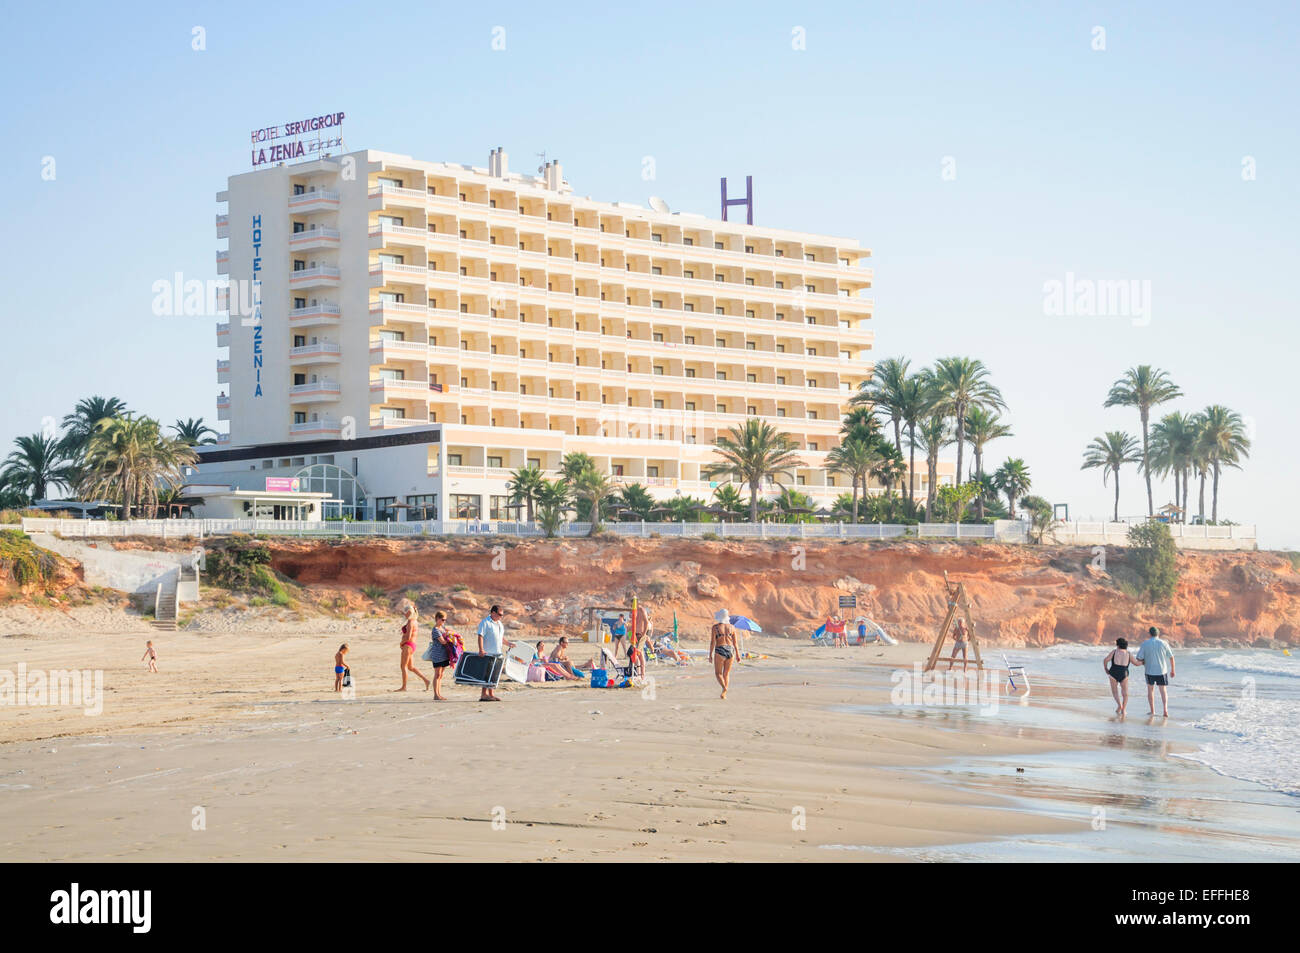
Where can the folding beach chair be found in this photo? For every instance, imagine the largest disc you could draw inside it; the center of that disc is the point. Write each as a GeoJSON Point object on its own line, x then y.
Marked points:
{"type": "Point", "coordinates": [1016, 670]}
{"type": "Point", "coordinates": [611, 665]}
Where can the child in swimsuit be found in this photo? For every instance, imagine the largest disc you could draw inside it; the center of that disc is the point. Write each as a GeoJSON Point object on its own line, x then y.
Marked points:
{"type": "Point", "coordinates": [151, 655]}
{"type": "Point", "coordinates": [1116, 666]}
{"type": "Point", "coordinates": [340, 666]}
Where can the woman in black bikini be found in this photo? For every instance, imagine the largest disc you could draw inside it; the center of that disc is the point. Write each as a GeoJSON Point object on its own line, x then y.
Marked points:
{"type": "Point", "coordinates": [1116, 665]}
{"type": "Point", "coordinates": [723, 648]}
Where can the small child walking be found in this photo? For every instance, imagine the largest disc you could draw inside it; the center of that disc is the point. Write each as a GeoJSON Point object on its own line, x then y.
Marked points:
{"type": "Point", "coordinates": [340, 666]}
{"type": "Point", "coordinates": [151, 655]}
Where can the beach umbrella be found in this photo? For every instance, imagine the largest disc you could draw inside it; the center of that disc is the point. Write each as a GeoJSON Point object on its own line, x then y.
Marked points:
{"type": "Point", "coordinates": [745, 624]}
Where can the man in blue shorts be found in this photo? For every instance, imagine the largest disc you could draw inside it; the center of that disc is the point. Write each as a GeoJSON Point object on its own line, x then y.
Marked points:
{"type": "Point", "coordinates": [1158, 659]}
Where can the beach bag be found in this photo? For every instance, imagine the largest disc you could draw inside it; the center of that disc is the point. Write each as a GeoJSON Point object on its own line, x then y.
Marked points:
{"type": "Point", "coordinates": [347, 677]}
{"type": "Point", "coordinates": [599, 678]}
{"type": "Point", "coordinates": [537, 672]}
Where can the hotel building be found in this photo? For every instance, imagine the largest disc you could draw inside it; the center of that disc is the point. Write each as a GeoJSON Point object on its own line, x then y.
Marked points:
{"type": "Point", "coordinates": [428, 327]}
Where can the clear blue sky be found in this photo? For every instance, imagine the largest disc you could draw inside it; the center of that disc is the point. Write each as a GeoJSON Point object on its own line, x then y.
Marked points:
{"type": "Point", "coordinates": [1116, 164]}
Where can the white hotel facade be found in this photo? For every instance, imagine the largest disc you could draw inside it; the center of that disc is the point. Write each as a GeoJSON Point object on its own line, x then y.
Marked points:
{"type": "Point", "coordinates": [429, 327]}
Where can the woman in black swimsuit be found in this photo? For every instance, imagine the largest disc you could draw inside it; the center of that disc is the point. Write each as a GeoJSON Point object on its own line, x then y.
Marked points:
{"type": "Point", "coordinates": [1116, 665]}
{"type": "Point", "coordinates": [723, 649]}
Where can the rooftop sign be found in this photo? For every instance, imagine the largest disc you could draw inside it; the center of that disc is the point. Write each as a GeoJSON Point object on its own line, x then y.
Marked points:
{"type": "Point", "coordinates": [298, 139]}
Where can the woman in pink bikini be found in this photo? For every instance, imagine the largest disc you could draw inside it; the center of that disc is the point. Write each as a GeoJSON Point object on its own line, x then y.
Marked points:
{"type": "Point", "coordinates": [409, 628]}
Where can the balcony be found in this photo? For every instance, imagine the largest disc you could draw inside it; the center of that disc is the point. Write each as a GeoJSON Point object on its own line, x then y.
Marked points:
{"type": "Point", "coordinates": [314, 314]}
{"type": "Point", "coordinates": [223, 439]}
{"type": "Point", "coordinates": [223, 226]}
{"type": "Point", "coordinates": [319, 200]}
{"type": "Point", "coordinates": [325, 427]}
{"type": "Point", "coordinates": [316, 390]}
{"type": "Point", "coordinates": [318, 351]}
{"type": "Point", "coordinates": [320, 276]}
{"type": "Point", "coordinates": [393, 196]}
{"type": "Point", "coordinates": [223, 334]}
{"type": "Point", "coordinates": [223, 372]}
{"type": "Point", "coordinates": [398, 311]}
{"type": "Point", "coordinates": [223, 407]}
{"type": "Point", "coordinates": [382, 351]}
{"type": "Point", "coordinates": [383, 272]}
{"type": "Point", "coordinates": [223, 261]}
{"type": "Point", "coordinates": [384, 389]}
{"type": "Point", "coordinates": [313, 238]}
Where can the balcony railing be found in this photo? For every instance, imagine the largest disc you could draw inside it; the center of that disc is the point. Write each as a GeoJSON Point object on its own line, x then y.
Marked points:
{"type": "Point", "coordinates": [319, 348]}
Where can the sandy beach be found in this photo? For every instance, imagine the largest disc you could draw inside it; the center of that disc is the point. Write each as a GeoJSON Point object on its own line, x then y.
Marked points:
{"type": "Point", "coordinates": [238, 750]}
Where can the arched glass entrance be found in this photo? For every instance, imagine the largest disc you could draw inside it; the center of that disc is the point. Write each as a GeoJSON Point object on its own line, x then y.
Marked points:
{"type": "Point", "coordinates": [347, 495]}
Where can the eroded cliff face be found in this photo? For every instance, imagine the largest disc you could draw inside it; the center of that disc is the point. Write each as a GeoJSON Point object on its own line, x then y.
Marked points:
{"type": "Point", "coordinates": [1021, 595]}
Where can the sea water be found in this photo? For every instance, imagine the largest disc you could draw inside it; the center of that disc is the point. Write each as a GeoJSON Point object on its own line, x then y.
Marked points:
{"type": "Point", "coordinates": [1218, 780]}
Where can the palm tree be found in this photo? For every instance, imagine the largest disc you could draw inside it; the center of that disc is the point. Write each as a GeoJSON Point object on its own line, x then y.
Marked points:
{"type": "Point", "coordinates": [729, 498]}
{"type": "Point", "coordinates": [756, 451]}
{"type": "Point", "coordinates": [194, 432]}
{"type": "Point", "coordinates": [573, 464]}
{"type": "Point", "coordinates": [79, 426]}
{"type": "Point", "coordinates": [855, 459]}
{"type": "Point", "coordinates": [915, 399]}
{"type": "Point", "coordinates": [982, 427]}
{"type": "Point", "coordinates": [128, 459]}
{"type": "Point", "coordinates": [37, 463]}
{"type": "Point", "coordinates": [1110, 452]}
{"type": "Point", "coordinates": [884, 392]}
{"type": "Point", "coordinates": [552, 503]}
{"type": "Point", "coordinates": [1224, 443]}
{"type": "Point", "coordinates": [1012, 478]}
{"type": "Point", "coordinates": [595, 489]}
{"type": "Point", "coordinates": [961, 383]}
{"type": "Point", "coordinates": [889, 468]}
{"type": "Point", "coordinates": [1143, 387]}
{"type": "Point", "coordinates": [523, 486]}
{"type": "Point", "coordinates": [933, 435]}
{"type": "Point", "coordinates": [636, 499]}
{"type": "Point", "coordinates": [860, 423]}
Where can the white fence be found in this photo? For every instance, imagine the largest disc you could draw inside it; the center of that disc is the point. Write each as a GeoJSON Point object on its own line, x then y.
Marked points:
{"type": "Point", "coordinates": [1003, 531]}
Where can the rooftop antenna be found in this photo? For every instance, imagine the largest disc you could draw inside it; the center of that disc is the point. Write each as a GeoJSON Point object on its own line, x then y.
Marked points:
{"type": "Point", "coordinates": [658, 204]}
{"type": "Point", "coordinates": [541, 168]}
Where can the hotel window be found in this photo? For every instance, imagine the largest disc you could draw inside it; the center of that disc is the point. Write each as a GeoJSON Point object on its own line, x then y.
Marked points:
{"type": "Point", "coordinates": [687, 273]}
{"type": "Point", "coordinates": [658, 369]}
{"type": "Point", "coordinates": [299, 417]}
{"type": "Point", "coordinates": [391, 374]}
{"type": "Point", "coordinates": [391, 220]}
{"type": "Point", "coordinates": [494, 385]}
{"type": "Point", "coordinates": [657, 336]}
{"type": "Point", "coordinates": [501, 508]}
{"type": "Point", "coordinates": [492, 203]}
{"type": "Point", "coordinates": [395, 183]}
{"type": "Point", "coordinates": [389, 259]}
{"type": "Point", "coordinates": [656, 237]}
{"type": "Point", "coordinates": [464, 382]}
{"type": "Point", "coordinates": [659, 404]}
{"type": "Point", "coordinates": [465, 506]}
{"type": "Point", "coordinates": [299, 340]}
{"type": "Point", "coordinates": [751, 346]}
{"type": "Point", "coordinates": [811, 289]}
{"type": "Point", "coordinates": [780, 284]}
{"type": "Point", "coordinates": [779, 253]}
{"type": "Point", "coordinates": [717, 245]}
{"type": "Point", "coordinates": [299, 264]}
{"type": "Point", "coordinates": [464, 309]}
{"type": "Point", "coordinates": [718, 277]}
{"type": "Point", "coordinates": [749, 281]}
{"type": "Point", "coordinates": [453, 459]}
{"type": "Point", "coordinates": [656, 270]}
{"type": "Point", "coordinates": [751, 378]}
{"type": "Point", "coordinates": [688, 307]}
{"type": "Point", "coordinates": [299, 227]}
{"type": "Point", "coordinates": [494, 462]}
{"type": "Point", "coordinates": [780, 315]}
{"type": "Point", "coordinates": [688, 241]}
{"type": "Point", "coordinates": [690, 339]}
{"type": "Point", "coordinates": [719, 310]}
{"type": "Point", "coordinates": [422, 506]}
{"type": "Point", "coordinates": [812, 445]}
{"type": "Point", "coordinates": [749, 312]}
{"type": "Point", "coordinates": [384, 509]}
{"type": "Point", "coordinates": [780, 380]}
{"type": "Point", "coordinates": [392, 413]}
{"type": "Point", "coordinates": [299, 189]}
{"type": "Point", "coordinates": [749, 249]}
{"type": "Point", "coordinates": [300, 303]}
{"type": "Point", "coordinates": [722, 375]}
{"type": "Point", "coordinates": [812, 383]}
{"type": "Point", "coordinates": [465, 234]}
{"type": "Point", "coordinates": [652, 472]}
{"type": "Point", "coordinates": [690, 372]}
{"type": "Point", "coordinates": [299, 379]}
{"type": "Point", "coordinates": [812, 415]}
{"type": "Point", "coordinates": [811, 319]}
{"type": "Point", "coordinates": [780, 411]}
{"type": "Point", "coordinates": [656, 303]}
{"type": "Point", "coordinates": [751, 410]}
{"type": "Point", "coordinates": [690, 405]}
{"type": "Point", "coordinates": [808, 256]}
{"type": "Point", "coordinates": [535, 462]}
{"type": "Point", "coordinates": [801, 481]}
{"type": "Point", "coordinates": [780, 349]}
{"type": "Point", "coordinates": [811, 351]}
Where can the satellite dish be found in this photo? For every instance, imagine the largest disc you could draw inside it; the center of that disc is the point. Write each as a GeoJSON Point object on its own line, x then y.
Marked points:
{"type": "Point", "coordinates": [658, 204]}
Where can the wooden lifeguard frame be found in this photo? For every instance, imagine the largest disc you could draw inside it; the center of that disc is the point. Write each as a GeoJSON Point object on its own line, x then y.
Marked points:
{"type": "Point", "coordinates": [957, 601]}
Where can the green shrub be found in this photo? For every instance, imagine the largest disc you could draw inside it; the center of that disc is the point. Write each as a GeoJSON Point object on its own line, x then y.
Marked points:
{"type": "Point", "coordinates": [25, 562]}
{"type": "Point", "coordinates": [1154, 558]}
{"type": "Point", "coordinates": [244, 565]}
{"type": "Point", "coordinates": [374, 593]}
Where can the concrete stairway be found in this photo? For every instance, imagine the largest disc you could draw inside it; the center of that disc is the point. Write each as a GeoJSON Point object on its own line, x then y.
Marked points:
{"type": "Point", "coordinates": [165, 615]}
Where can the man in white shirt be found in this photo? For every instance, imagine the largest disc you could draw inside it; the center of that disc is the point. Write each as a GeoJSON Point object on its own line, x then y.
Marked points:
{"type": "Point", "coordinates": [1158, 659]}
{"type": "Point", "coordinates": [491, 641]}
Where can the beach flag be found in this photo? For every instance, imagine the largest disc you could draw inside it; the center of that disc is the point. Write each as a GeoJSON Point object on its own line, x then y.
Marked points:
{"type": "Point", "coordinates": [674, 626]}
